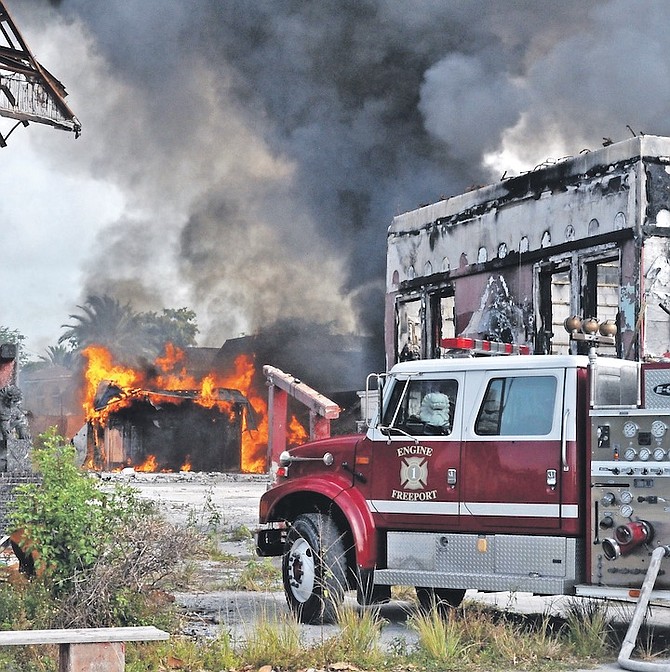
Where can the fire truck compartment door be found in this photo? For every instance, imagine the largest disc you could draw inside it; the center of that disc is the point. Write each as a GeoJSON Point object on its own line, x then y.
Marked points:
{"type": "Point", "coordinates": [512, 462]}
{"type": "Point", "coordinates": [414, 478]}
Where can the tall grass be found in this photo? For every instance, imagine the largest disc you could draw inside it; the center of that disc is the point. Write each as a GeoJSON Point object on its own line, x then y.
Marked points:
{"type": "Point", "coordinates": [589, 629]}
{"type": "Point", "coordinates": [472, 637]}
{"type": "Point", "coordinates": [441, 641]}
{"type": "Point", "coordinates": [183, 653]}
{"type": "Point", "coordinates": [272, 641]}
{"type": "Point", "coordinates": [358, 639]}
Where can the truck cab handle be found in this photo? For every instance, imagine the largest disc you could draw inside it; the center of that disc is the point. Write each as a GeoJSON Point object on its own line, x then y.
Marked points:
{"type": "Point", "coordinates": [564, 441]}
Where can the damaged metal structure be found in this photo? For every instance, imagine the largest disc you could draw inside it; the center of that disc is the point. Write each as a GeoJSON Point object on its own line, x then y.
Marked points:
{"type": "Point", "coordinates": [587, 236]}
{"type": "Point", "coordinates": [28, 91]}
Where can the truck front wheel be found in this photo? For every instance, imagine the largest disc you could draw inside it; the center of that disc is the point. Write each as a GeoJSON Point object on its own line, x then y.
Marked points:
{"type": "Point", "coordinates": [441, 599]}
{"type": "Point", "coordinates": [314, 569]}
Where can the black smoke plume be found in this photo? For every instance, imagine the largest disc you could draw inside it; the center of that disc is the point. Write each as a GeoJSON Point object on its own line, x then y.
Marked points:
{"type": "Point", "coordinates": [262, 147]}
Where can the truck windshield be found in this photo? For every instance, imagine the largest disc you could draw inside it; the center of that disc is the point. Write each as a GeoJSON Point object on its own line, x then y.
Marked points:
{"type": "Point", "coordinates": [422, 407]}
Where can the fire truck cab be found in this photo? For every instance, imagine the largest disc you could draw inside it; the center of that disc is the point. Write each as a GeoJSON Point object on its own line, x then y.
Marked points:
{"type": "Point", "coordinates": [547, 474]}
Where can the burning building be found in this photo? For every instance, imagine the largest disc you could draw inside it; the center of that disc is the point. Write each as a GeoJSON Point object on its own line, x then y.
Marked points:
{"type": "Point", "coordinates": [588, 236]}
{"type": "Point", "coordinates": [169, 430]}
{"type": "Point", "coordinates": [200, 409]}
{"type": "Point", "coordinates": [163, 418]}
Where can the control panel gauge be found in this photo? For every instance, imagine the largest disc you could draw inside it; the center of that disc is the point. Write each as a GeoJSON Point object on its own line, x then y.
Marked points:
{"type": "Point", "coordinates": [659, 454]}
{"type": "Point", "coordinates": [629, 429]}
{"type": "Point", "coordinates": [658, 428]}
{"type": "Point", "coordinates": [645, 454]}
{"type": "Point", "coordinates": [630, 454]}
{"type": "Point", "coordinates": [626, 497]}
{"type": "Point", "coordinates": [626, 510]}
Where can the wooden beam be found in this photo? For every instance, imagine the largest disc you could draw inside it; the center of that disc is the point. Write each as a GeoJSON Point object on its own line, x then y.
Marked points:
{"type": "Point", "coordinates": [303, 393]}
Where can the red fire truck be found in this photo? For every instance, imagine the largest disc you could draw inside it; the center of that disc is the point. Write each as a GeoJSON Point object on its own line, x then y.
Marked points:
{"type": "Point", "coordinates": [547, 474]}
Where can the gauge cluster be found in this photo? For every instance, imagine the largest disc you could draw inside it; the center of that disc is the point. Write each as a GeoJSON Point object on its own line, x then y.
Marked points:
{"type": "Point", "coordinates": [642, 438]}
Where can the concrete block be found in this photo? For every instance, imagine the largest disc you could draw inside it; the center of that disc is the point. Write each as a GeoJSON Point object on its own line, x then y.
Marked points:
{"type": "Point", "coordinates": [92, 657]}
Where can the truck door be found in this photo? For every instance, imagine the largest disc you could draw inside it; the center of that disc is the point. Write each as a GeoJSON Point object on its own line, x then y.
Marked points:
{"type": "Point", "coordinates": [511, 464]}
{"type": "Point", "coordinates": [411, 462]}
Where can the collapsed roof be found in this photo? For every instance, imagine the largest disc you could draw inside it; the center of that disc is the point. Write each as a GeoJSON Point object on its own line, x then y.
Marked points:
{"type": "Point", "coordinates": [28, 91]}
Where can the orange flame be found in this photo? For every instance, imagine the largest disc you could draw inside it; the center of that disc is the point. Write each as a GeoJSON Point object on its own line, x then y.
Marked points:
{"type": "Point", "coordinates": [173, 376]}
{"type": "Point", "coordinates": [296, 433]}
{"type": "Point", "coordinates": [254, 442]}
{"type": "Point", "coordinates": [172, 366]}
{"type": "Point", "coordinates": [150, 464]}
{"type": "Point", "coordinates": [102, 367]}
{"type": "Point", "coordinates": [208, 397]}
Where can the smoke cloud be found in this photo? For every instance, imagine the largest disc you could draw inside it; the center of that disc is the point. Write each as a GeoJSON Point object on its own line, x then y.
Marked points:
{"type": "Point", "coordinates": [262, 148]}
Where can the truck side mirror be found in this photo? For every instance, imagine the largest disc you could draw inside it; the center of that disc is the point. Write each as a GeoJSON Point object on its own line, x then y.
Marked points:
{"type": "Point", "coordinates": [374, 392]}
{"type": "Point", "coordinates": [380, 398]}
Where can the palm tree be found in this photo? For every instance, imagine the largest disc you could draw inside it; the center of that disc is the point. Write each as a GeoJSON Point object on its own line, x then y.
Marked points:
{"type": "Point", "coordinates": [60, 355]}
{"type": "Point", "coordinates": [105, 321]}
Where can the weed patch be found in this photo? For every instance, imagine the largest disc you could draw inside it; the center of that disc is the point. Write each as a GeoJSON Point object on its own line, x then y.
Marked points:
{"type": "Point", "coordinates": [589, 628]}
{"type": "Point", "coordinates": [258, 575]}
{"type": "Point", "coordinates": [273, 641]}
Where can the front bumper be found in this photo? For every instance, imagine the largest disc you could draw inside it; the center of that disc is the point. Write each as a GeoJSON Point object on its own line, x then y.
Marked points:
{"type": "Point", "coordinates": [270, 538]}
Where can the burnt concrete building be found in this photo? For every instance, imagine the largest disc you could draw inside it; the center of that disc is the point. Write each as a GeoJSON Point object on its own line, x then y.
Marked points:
{"type": "Point", "coordinates": [586, 236]}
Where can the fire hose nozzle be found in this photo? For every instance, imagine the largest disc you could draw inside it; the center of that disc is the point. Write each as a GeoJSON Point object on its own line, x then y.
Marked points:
{"type": "Point", "coordinates": [611, 549]}
{"type": "Point", "coordinates": [627, 538]}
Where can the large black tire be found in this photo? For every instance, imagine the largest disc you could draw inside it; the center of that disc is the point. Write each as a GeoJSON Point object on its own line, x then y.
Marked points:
{"type": "Point", "coordinates": [314, 569]}
{"type": "Point", "coordinates": [442, 599]}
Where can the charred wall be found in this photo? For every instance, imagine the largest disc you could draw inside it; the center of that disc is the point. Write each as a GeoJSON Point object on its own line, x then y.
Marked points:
{"type": "Point", "coordinates": [509, 261]}
{"type": "Point", "coordinates": [176, 436]}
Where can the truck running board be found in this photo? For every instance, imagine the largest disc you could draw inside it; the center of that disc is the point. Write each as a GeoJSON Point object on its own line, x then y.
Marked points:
{"type": "Point", "coordinates": [492, 563]}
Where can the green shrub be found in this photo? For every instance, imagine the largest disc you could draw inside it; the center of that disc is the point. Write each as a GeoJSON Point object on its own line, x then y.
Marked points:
{"type": "Point", "coordinates": [102, 555]}
{"type": "Point", "coordinates": [65, 516]}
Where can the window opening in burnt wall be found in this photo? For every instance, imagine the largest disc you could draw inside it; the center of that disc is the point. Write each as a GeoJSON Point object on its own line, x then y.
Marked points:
{"type": "Point", "coordinates": [586, 285]}
{"type": "Point", "coordinates": [554, 308]}
{"type": "Point", "coordinates": [442, 320]}
{"type": "Point", "coordinates": [601, 279]}
{"type": "Point", "coordinates": [423, 321]}
{"type": "Point", "coordinates": [410, 329]}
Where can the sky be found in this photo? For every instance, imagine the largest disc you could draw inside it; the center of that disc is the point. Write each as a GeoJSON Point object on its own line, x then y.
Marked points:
{"type": "Point", "coordinates": [244, 158]}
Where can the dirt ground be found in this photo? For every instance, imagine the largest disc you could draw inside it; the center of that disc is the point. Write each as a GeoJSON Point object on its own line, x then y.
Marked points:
{"type": "Point", "coordinates": [227, 506]}
{"type": "Point", "coordinates": [228, 503]}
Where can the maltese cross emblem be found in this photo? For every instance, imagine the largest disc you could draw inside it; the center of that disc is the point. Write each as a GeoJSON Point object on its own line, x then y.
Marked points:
{"type": "Point", "coordinates": [414, 473]}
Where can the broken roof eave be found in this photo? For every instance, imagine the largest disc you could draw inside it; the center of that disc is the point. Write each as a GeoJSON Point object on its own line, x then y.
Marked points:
{"type": "Point", "coordinates": [73, 125]}
{"type": "Point", "coordinates": [532, 182]}
{"type": "Point", "coordinates": [19, 60]}
{"type": "Point", "coordinates": [226, 395]}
